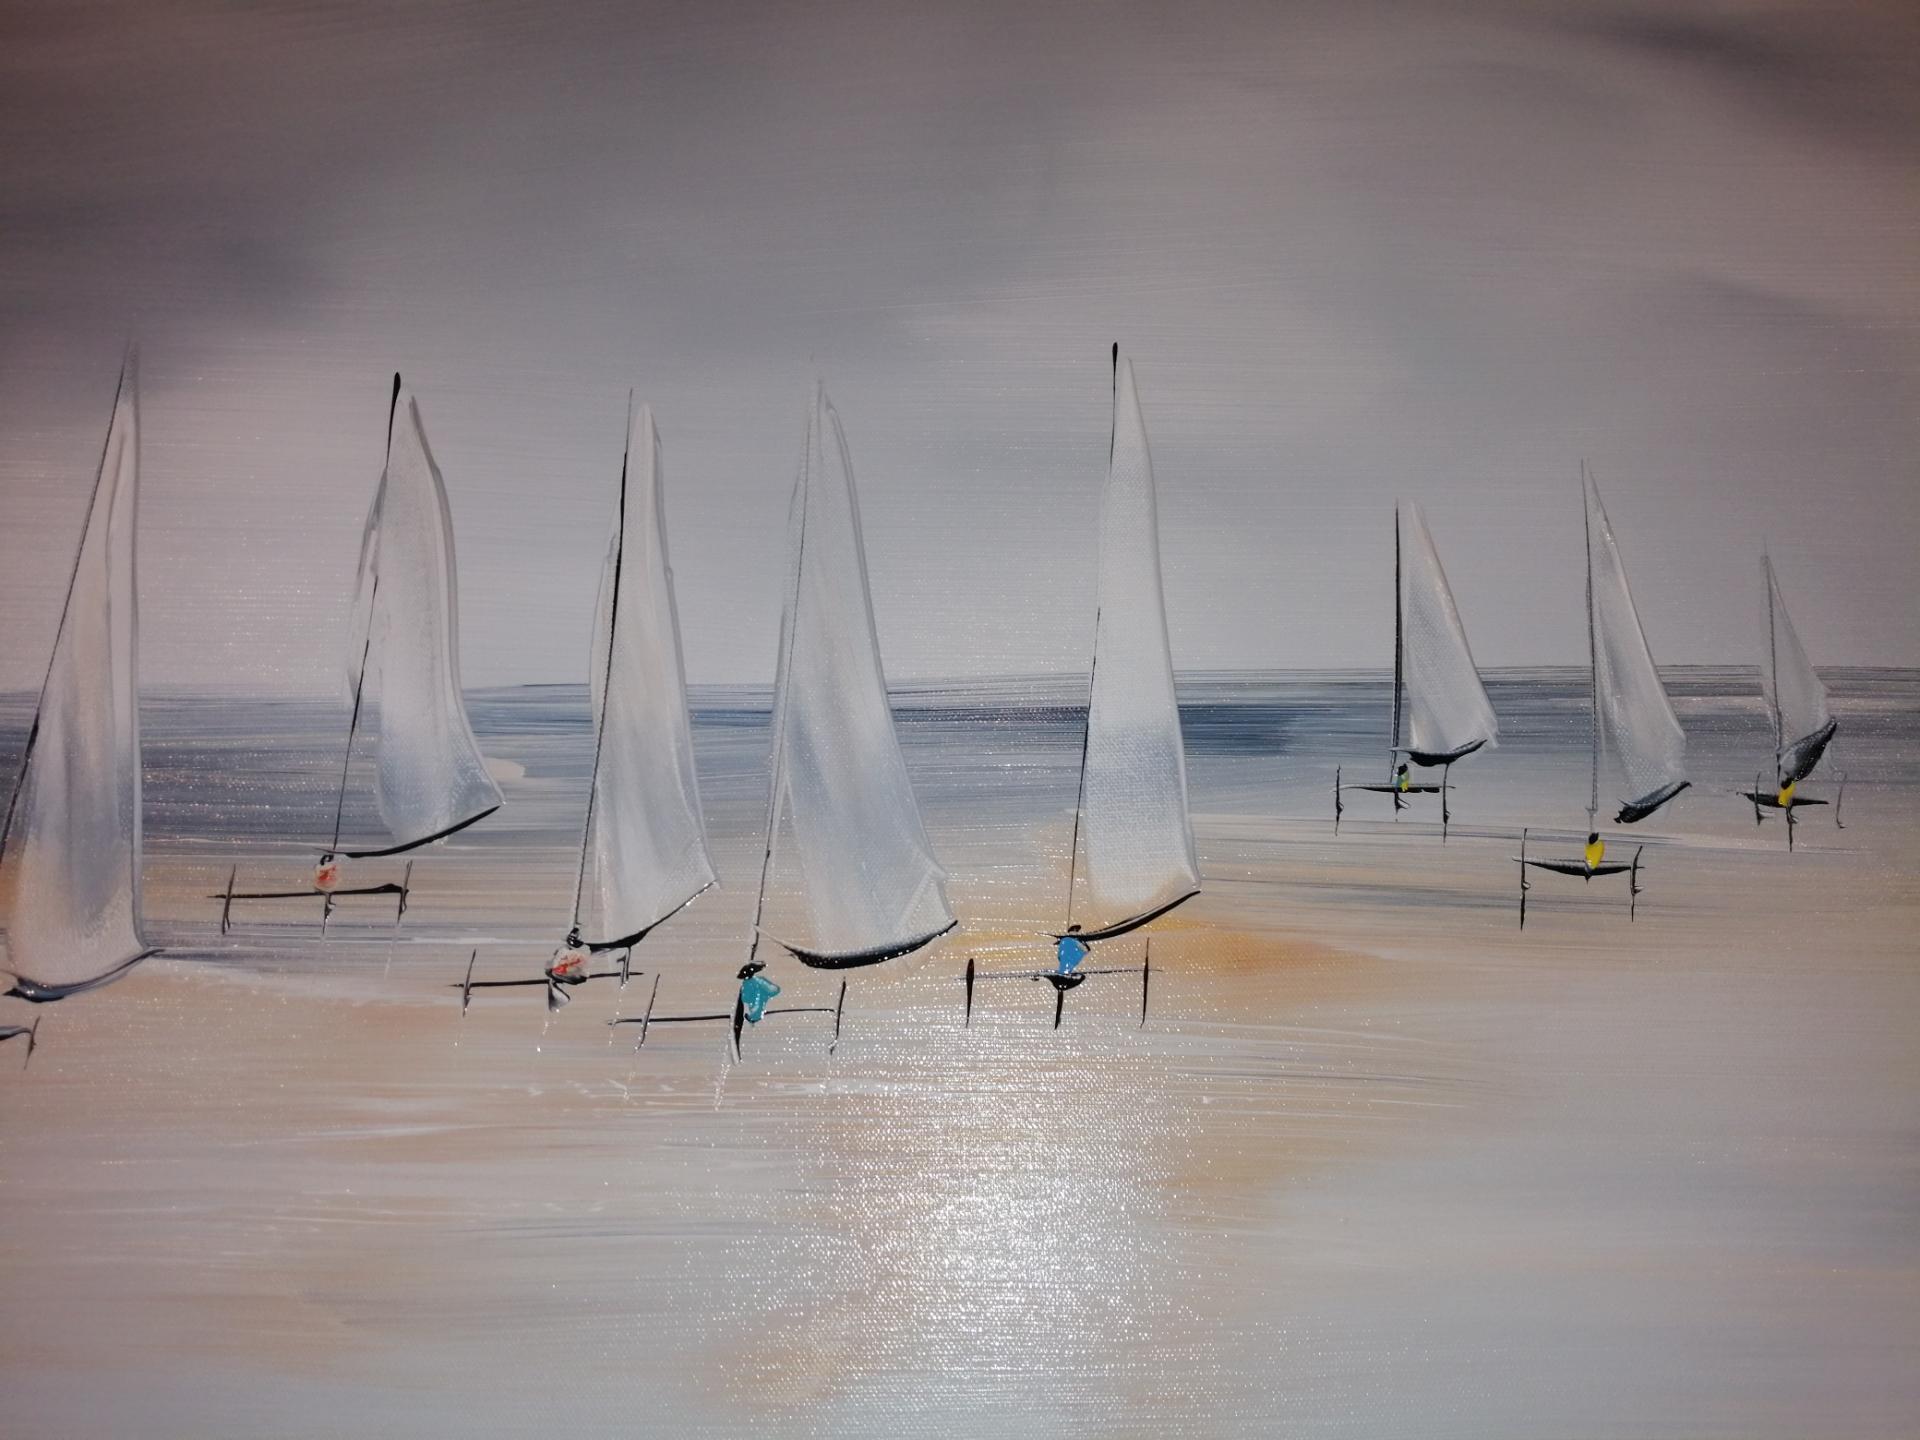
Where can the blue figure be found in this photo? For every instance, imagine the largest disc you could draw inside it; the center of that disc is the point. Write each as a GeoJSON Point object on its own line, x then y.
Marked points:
{"type": "Point", "coordinates": [1070, 951]}
{"type": "Point", "coordinates": [755, 991]}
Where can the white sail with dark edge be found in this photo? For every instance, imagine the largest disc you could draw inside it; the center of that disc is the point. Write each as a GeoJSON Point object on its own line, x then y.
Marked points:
{"type": "Point", "coordinates": [646, 843]}
{"type": "Point", "coordinates": [430, 779]}
{"type": "Point", "coordinates": [873, 887]}
{"type": "Point", "coordinates": [73, 826]}
{"type": "Point", "coordinates": [1448, 713]}
{"type": "Point", "coordinates": [1802, 724]}
{"type": "Point", "coordinates": [1633, 716]}
{"type": "Point", "coordinates": [1133, 820]}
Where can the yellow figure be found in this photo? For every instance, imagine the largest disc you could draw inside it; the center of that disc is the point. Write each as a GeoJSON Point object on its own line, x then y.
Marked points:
{"type": "Point", "coordinates": [1596, 848]}
{"type": "Point", "coordinates": [1403, 778]}
{"type": "Point", "coordinates": [1786, 794]}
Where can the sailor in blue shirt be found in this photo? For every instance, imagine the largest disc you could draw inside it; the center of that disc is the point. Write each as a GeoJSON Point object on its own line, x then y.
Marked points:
{"type": "Point", "coordinates": [755, 991]}
{"type": "Point", "coordinates": [1070, 951]}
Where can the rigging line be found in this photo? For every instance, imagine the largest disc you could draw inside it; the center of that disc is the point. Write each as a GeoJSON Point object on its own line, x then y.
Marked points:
{"type": "Point", "coordinates": [73, 580]}
{"type": "Point", "coordinates": [777, 767]}
{"type": "Point", "coordinates": [366, 647]}
{"type": "Point", "coordinates": [1399, 648]}
{"type": "Point", "coordinates": [606, 678]}
{"type": "Point", "coordinates": [1093, 669]}
{"type": "Point", "coordinates": [1080, 798]}
{"type": "Point", "coordinates": [1593, 641]}
{"type": "Point", "coordinates": [1773, 669]}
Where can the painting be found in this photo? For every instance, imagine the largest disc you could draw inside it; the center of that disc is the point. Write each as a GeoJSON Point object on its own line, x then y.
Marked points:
{"type": "Point", "coordinates": [1088, 719]}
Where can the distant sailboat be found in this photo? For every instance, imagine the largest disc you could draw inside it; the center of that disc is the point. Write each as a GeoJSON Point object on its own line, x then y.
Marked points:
{"type": "Point", "coordinates": [1803, 726]}
{"type": "Point", "coordinates": [643, 849]}
{"type": "Point", "coordinates": [1441, 713]}
{"type": "Point", "coordinates": [429, 779]}
{"type": "Point", "coordinates": [838, 790]}
{"type": "Point", "coordinates": [1631, 712]}
{"type": "Point", "coordinates": [73, 829]}
{"type": "Point", "coordinates": [1130, 815]}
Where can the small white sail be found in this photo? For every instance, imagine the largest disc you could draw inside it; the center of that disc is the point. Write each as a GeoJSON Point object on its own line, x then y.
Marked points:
{"type": "Point", "coordinates": [873, 886]}
{"type": "Point", "coordinates": [1133, 804]}
{"type": "Point", "coordinates": [430, 779]}
{"type": "Point", "coordinates": [1635, 717]}
{"type": "Point", "coordinates": [1802, 723]}
{"type": "Point", "coordinates": [646, 843]}
{"type": "Point", "coordinates": [75, 832]}
{"type": "Point", "coordinates": [1448, 713]}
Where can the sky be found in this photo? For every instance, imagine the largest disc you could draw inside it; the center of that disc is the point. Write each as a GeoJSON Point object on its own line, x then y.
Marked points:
{"type": "Point", "coordinates": [1358, 253]}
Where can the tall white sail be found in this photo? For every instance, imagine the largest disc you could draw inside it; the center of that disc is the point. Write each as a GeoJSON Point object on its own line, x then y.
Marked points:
{"type": "Point", "coordinates": [74, 839]}
{"type": "Point", "coordinates": [1133, 804]}
{"type": "Point", "coordinates": [429, 779]}
{"type": "Point", "coordinates": [1448, 713]}
{"type": "Point", "coordinates": [873, 886]}
{"type": "Point", "coordinates": [1634, 717]}
{"type": "Point", "coordinates": [646, 843]}
{"type": "Point", "coordinates": [1801, 721]}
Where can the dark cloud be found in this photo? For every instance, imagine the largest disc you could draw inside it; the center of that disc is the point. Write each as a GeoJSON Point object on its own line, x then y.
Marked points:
{"type": "Point", "coordinates": [1851, 68]}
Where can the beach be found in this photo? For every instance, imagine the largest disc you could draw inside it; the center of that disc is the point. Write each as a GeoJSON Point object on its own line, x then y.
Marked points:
{"type": "Point", "coordinates": [1379, 1161]}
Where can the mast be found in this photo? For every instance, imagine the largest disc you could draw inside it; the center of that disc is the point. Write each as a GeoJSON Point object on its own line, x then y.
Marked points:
{"type": "Point", "coordinates": [606, 680]}
{"type": "Point", "coordinates": [127, 363]}
{"type": "Point", "coordinates": [1593, 645]}
{"type": "Point", "coordinates": [1773, 667]}
{"type": "Point", "coordinates": [783, 667]}
{"type": "Point", "coordinates": [1399, 649]}
{"type": "Point", "coordinates": [1093, 672]}
{"type": "Point", "coordinates": [366, 649]}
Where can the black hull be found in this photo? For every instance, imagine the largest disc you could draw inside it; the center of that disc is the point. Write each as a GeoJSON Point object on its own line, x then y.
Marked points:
{"type": "Point", "coordinates": [1121, 927]}
{"type": "Point", "coordinates": [1434, 757]}
{"type": "Point", "coordinates": [36, 993]}
{"type": "Point", "coordinates": [858, 959]}
{"type": "Point", "coordinates": [1637, 810]}
{"type": "Point", "coordinates": [454, 829]}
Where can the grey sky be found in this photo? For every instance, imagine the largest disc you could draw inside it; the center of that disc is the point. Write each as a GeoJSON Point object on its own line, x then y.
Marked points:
{"type": "Point", "coordinates": [1356, 251]}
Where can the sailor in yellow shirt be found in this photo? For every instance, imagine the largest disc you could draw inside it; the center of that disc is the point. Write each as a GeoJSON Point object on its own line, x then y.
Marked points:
{"type": "Point", "coordinates": [1785, 798]}
{"type": "Point", "coordinates": [1401, 779]}
{"type": "Point", "coordinates": [1596, 850]}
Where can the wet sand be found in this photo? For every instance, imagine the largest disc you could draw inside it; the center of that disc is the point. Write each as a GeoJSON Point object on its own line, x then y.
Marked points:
{"type": "Point", "coordinates": [1379, 1163]}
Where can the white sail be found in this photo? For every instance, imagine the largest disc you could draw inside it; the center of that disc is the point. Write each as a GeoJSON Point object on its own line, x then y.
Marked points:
{"type": "Point", "coordinates": [75, 834]}
{"type": "Point", "coordinates": [1133, 805]}
{"type": "Point", "coordinates": [429, 779]}
{"type": "Point", "coordinates": [1448, 712]}
{"type": "Point", "coordinates": [873, 886]}
{"type": "Point", "coordinates": [646, 844]}
{"type": "Point", "coordinates": [1802, 722]}
{"type": "Point", "coordinates": [1635, 718]}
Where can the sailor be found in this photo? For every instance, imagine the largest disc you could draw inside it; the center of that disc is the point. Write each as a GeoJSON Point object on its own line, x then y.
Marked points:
{"type": "Point", "coordinates": [1596, 848]}
{"type": "Point", "coordinates": [1785, 798]}
{"type": "Point", "coordinates": [755, 991]}
{"type": "Point", "coordinates": [326, 875]}
{"type": "Point", "coordinates": [569, 963]}
{"type": "Point", "coordinates": [1069, 952]}
{"type": "Point", "coordinates": [1402, 780]}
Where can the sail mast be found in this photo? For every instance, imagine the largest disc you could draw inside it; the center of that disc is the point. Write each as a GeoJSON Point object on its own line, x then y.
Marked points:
{"type": "Point", "coordinates": [1399, 649]}
{"type": "Point", "coordinates": [606, 681]}
{"type": "Point", "coordinates": [783, 667]}
{"type": "Point", "coordinates": [1773, 665]}
{"type": "Point", "coordinates": [1093, 673]}
{"type": "Point", "coordinates": [1593, 646]}
{"type": "Point", "coordinates": [366, 649]}
{"type": "Point", "coordinates": [127, 363]}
